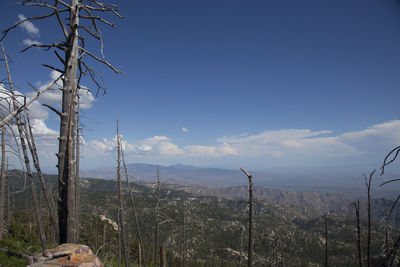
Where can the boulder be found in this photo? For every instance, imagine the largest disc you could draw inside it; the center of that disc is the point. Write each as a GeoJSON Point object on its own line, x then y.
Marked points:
{"type": "Point", "coordinates": [66, 255]}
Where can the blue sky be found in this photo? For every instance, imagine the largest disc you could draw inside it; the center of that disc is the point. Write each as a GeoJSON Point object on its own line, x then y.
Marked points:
{"type": "Point", "coordinates": [255, 84]}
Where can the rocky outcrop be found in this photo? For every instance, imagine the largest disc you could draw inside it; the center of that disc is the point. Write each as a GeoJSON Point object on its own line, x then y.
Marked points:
{"type": "Point", "coordinates": [71, 255]}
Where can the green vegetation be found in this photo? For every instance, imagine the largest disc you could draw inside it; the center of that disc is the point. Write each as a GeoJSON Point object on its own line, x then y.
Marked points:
{"type": "Point", "coordinates": [283, 234]}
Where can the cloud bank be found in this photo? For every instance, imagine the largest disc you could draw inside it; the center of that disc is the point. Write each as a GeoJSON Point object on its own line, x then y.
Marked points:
{"type": "Point", "coordinates": [297, 144]}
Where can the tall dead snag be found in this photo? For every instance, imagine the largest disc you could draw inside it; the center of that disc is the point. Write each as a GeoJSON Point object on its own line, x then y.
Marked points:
{"type": "Point", "coordinates": [368, 182]}
{"type": "Point", "coordinates": [22, 137]}
{"type": "Point", "coordinates": [2, 181]}
{"type": "Point", "coordinates": [326, 239]}
{"type": "Point", "coordinates": [72, 63]}
{"type": "Point", "coordinates": [135, 216]}
{"type": "Point", "coordinates": [357, 208]}
{"type": "Point", "coordinates": [250, 246]}
{"type": "Point", "coordinates": [35, 158]}
{"type": "Point", "coordinates": [121, 210]}
{"type": "Point", "coordinates": [163, 255]}
{"type": "Point", "coordinates": [157, 218]}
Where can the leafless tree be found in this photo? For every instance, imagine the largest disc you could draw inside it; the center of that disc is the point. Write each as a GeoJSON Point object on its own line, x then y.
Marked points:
{"type": "Point", "coordinates": [20, 126]}
{"type": "Point", "coordinates": [357, 208]}
{"type": "Point", "coordinates": [368, 182]}
{"type": "Point", "coordinates": [135, 216]}
{"type": "Point", "coordinates": [35, 158]}
{"type": "Point", "coordinates": [157, 217]}
{"type": "Point", "coordinates": [73, 61]}
{"type": "Point", "coordinates": [2, 181]}
{"type": "Point", "coordinates": [326, 239]}
{"type": "Point", "coordinates": [251, 202]}
{"type": "Point", "coordinates": [121, 202]}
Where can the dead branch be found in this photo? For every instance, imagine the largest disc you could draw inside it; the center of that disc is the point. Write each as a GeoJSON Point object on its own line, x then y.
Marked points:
{"type": "Point", "coordinates": [25, 105]}
{"type": "Point", "coordinates": [52, 67]}
{"type": "Point", "coordinates": [5, 32]}
{"type": "Point", "coordinates": [53, 109]}
{"type": "Point", "coordinates": [47, 47]}
{"type": "Point", "coordinates": [97, 18]}
{"type": "Point", "coordinates": [105, 62]}
{"type": "Point", "coordinates": [385, 162]}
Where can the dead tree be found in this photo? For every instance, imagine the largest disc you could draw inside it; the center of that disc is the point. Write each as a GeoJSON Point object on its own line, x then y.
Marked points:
{"type": "Point", "coordinates": [326, 239]}
{"type": "Point", "coordinates": [2, 181]}
{"type": "Point", "coordinates": [120, 200]}
{"type": "Point", "coordinates": [163, 255]}
{"type": "Point", "coordinates": [71, 63]}
{"type": "Point", "coordinates": [357, 208]}
{"type": "Point", "coordinates": [22, 137]}
{"type": "Point", "coordinates": [250, 246]}
{"type": "Point", "coordinates": [186, 222]}
{"type": "Point", "coordinates": [368, 182]}
{"type": "Point", "coordinates": [35, 158]}
{"type": "Point", "coordinates": [157, 217]}
{"type": "Point", "coordinates": [135, 216]}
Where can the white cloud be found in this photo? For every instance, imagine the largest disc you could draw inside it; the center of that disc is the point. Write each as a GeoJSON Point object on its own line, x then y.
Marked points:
{"type": "Point", "coordinates": [185, 130]}
{"type": "Point", "coordinates": [29, 42]}
{"type": "Point", "coordinates": [279, 143]}
{"type": "Point", "coordinates": [283, 147]}
{"type": "Point", "coordinates": [28, 26]}
{"type": "Point", "coordinates": [53, 96]}
{"type": "Point", "coordinates": [211, 151]}
{"type": "Point", "coordinates": [156, 146]}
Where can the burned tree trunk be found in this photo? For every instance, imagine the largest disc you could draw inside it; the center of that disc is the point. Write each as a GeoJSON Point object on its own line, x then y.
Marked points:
{"type": "Point", "coordinates": [74, 53]}
{"type": "Point", "coordinates": [121, 203]}
{"type": "Point", "coordinates": [368, 186]}
{"type": "Point", "coordinates": [135, 216]}
{"type": "Point", "coordinates": [25, 154]}
{"type": "Point", "coordinates": [250, 246]}
{"type": "Point", "coordinates": [157, 218]}
{"type": "Point", "coordinates": [326, 240]}
{"type": "Point", "coordinates": [66, 149]}
{"type": "Point", "coordinates": [32, 147]}
{"type": "Point", "coordinates": [3, 180]}
{"type": "Point", "coordinates": [357, 207]}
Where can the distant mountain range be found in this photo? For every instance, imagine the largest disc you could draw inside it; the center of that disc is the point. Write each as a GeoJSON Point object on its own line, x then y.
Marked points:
{"type": "Point", "coordinates": [305, 181]}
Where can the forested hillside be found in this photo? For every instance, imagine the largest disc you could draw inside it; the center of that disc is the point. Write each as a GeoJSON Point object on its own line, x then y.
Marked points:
{"type": "Point", "coordinates": [198, 229]}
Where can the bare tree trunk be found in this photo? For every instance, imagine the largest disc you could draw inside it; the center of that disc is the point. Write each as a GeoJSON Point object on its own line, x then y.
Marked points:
{"type": "Point", "coordinates": [77, 178]}
{"type": "Point", "coordinates": [3, 180]}
{"type": "Point", "coordinates": [157, 216]}
{"type": "Point", "coordinates": [25, 153]}
{"type": "Point", "coordinates": [163, 255]}
{"type": "Point", "coordinates": [250, 246]}
{"type": "Point", "coordinates": [368, 185]}
{"type": "Point", "coordinates": [185, 241]}
{"type": "Point", "coordinates": [119, 239]}
{"type": "Point", "coordinates": [140, 255]}
{"type": "Point", "coordinates": [357, 207]}
{"type": "Point", "coordinates": [120, 198]}
{"type": "Point", "coordinates": [135, 217]}
{"type": "Point", "coordinates": [9, 204]}
{"type": "Point", "coordinates": [66, 150]}
{"type": "Point", "coordinates": [326, 240]}
{"type": "Point", "coordinates": [32, 147]}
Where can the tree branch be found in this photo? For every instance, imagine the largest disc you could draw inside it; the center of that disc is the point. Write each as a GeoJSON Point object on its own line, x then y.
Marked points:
{"type": "Point", "coordinates": [53, 109]}
{"type": "Point", "coordinates": [385, 163]}
{"type": "Point", "coordinates": [5, 32]}
{"type": "Point", "coordinates": [25, 105]}
{"type": "Point", "coordinates": [105, 62]}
